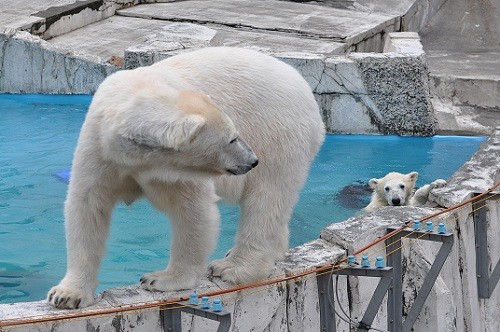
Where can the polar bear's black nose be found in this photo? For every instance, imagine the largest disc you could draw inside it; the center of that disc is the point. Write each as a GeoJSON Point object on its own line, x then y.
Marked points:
{"type": "Point", "coordinates": [255, 163]}
{"type": "Point", "coordinates": [396, 201]}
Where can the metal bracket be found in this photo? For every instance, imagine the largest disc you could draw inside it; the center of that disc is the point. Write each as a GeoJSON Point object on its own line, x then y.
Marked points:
{"type": "Point", "coordinates": [327, 314]}
{"type": "Point", "coordinates": [485, 283]}
{"type": "Point", "coordinates": [395, 299]}
{"type": "Point", "coordinates": [170, 317]}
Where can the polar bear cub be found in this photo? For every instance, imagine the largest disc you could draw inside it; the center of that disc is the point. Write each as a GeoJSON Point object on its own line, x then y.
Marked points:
{"type": "Point", "coordinates": [155, 132]}
{"type": "Point", "coordinates": [397, 189]}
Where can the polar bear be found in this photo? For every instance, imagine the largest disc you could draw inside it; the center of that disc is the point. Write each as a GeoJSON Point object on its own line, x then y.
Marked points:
{"type": "Point", "coordinates": [399, 189]}
{"type": "Point", "coordinates": [185, 132]}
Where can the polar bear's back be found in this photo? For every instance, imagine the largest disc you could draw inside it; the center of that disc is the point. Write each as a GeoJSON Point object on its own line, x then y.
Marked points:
{"type": "Point", "coordinates": [268, 100]}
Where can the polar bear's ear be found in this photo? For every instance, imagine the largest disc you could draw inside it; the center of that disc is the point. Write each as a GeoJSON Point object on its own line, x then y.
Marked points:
{"type": "Point", "coordinates": [413, 176]}
{"type": "Point", "coordinates": [182, 131]}
{"type": "Point", "coordinates": [373, 183]}
{"type": "Point", "coordinates": [162, 135]}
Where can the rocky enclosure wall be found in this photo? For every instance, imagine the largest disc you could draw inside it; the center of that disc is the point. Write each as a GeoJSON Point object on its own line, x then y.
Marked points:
{"type": "Point", "coordinates": [358, 93]}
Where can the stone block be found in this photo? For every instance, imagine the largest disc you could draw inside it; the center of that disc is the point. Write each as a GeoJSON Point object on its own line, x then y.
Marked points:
{"type": "Point", "coordinates": [172, 39]}
{"type": "Point", "coordinates": [403, 43]}
{"type": "Point", "coordinates": [399, 88]}
{"type": "Point", "coordinates": [46, 69]}
{"type": "Point", "coordinates": [310, 66]}
{"type": "Point", "coordinates": [351, 115]}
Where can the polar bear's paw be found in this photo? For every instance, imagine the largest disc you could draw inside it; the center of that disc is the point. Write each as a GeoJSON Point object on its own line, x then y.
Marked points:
{"type": "Point", "coordinates": [438, 183]}
{"type": "Point", "coordinates": [164, 281]}
{"type": "Point", "coordinates": [238, 271]}
{"type": "Point", "coordinates": [68, 298]}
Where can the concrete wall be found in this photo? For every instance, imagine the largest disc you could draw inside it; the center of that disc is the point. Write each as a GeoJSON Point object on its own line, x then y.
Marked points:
{"type": "Point", "coordinates": [363, 93]}
{"type": "Point", "coordinates": [28, 64]}
{"type": "Point", "coordinates": [358, 93]}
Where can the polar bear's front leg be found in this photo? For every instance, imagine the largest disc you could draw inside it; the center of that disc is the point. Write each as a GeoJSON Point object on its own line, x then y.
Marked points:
{"type": "Point", "coordinates": [261, 240]}
{"type": "Point", "coordinates": [194, 215]}
{"type": "Point", "coordinates": [88, 211]}
{"type": "Point", "coordinates": [421, 196]}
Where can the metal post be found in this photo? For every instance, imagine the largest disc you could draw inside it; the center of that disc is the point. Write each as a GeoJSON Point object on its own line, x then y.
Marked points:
{"type": "Point", "coordinates": [326, 312]}
{"type": "Point", "coordinates": [386, 275]}
{"type": "Point", "coordinates": [486, 283]}
{"type": "Point", "coordinates": [375, 303]}
{"type": "Point", "coordinates": [481, 241]}
{"type": "Point", "coordinates": [170, 319]}
{"type": "Point", "coordinates": [395, 300]}
{"type": "Point", "coordinates": [428, 283]}
{"type": "Point", "coordinates": [395, 295]}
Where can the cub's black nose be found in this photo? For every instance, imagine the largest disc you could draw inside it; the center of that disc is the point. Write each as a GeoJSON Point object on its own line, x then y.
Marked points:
{"type": "Point", "coordinates": [255, 163]}
{"type": "Point", "coordinates": [396, 201]}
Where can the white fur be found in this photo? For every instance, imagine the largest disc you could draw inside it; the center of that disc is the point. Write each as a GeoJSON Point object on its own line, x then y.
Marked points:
{"type": "Point", "coordinates": [398, 189]}
{"type": "Point", "coordinates": [154, 131]}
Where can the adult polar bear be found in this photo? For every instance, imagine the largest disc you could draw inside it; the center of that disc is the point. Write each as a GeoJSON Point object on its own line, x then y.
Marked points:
{"type": "Point", "coordinates": [154, 131]}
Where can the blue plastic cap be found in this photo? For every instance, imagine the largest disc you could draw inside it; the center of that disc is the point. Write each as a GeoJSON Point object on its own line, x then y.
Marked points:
{"type": "Point", "coordinates": [379, 262]}
{"type": "Point", "coordinates": [416, 224]}
{"type": "Point", "coordinates": [441, 228]}
{"type": "Point", "coordinates": [351, 260]}
{"type": "Point", "coordinates": [365, 262]}
{"type": "Point", "coordinates": [193, 299]}
{"type": "Point", "coordinates": [217, 307]}
{"type": "Point", "coordinates": [205, 302]}
{"type": "Point", "coordinates": [429, 226]}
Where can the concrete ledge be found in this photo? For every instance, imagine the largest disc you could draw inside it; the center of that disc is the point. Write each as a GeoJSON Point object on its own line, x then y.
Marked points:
{"type": "Point", "coordinates": [63, 19]}
{"type": "Point", "coordinates": [279, 307]}
{"type": "Point", "coordinates": [476, 175]}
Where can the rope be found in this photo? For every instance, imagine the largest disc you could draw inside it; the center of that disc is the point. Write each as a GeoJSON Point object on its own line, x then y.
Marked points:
{"type": "Point", "coordinates": [305, 274]}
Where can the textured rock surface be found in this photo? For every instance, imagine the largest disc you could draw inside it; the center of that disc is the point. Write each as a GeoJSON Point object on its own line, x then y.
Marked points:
{"type": "Point", "coordinates": [46, 69]}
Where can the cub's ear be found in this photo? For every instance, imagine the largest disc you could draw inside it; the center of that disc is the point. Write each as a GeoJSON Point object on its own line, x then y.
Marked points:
{"type": "Point", "coordinates": [164, 135]}
{"type": "Point", "coordinates": [413, 176]}
{"type": "Point", "coordinates": [373, 183]}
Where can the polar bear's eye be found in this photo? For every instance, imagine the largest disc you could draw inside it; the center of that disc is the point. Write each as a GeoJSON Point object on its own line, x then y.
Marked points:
{"type": "Point", "coordinates": [386, 188]}
{"type": "Point", "coordinates": [402, 186]}
{"type": "Point", "coordinates": [233, 140]}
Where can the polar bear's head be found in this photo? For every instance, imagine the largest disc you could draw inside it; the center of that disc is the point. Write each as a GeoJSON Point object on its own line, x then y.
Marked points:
{"type": "Point", "coordinates": [395, 188]}
{"type": "Point", "coordinates": [181, 132]}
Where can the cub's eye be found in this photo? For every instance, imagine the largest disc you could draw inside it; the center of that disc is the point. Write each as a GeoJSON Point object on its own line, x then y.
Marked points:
{"type": "Point", "coordinates": [402, 186]}
{"type": "Point", "coordinates": [386, 188]}
{"type": "Point", "coordinates": [233, 140]}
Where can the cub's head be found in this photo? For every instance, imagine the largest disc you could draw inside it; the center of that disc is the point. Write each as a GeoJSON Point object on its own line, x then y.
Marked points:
{"type": "Point", "coordinates": [181, 132]}
{"type": "Point", "coordinates": [395, 188]}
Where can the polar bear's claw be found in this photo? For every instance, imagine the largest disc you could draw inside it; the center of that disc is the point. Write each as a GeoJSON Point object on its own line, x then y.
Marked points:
{"type": "Point", "coordinates": [66, 298]}
{"type": "Point", "coordinates": [225, 269]}
{"type": "Point", "coordinates": [438, 183]}
{"type": "Point", "coordinates": [166, 282]}
{"type": "Point", "coordinates": [239, 271]}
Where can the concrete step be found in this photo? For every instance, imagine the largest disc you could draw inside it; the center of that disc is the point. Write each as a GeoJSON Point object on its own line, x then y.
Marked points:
{"type": "Point", "coordinates": [464, 120]}
{"type": "Point", "coordinates": [156, 31]}
{"type": "Point", "coordinates": [466, 91]}
{"type": "Point", "coordinates": [301, 20]}
{"type": "Point", "coordinates": [146, 36]}
{"type": "Point", "coordinates": [467, 79]}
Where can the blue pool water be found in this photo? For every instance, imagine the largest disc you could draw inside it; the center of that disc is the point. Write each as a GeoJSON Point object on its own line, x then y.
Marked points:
{"type": "Point", "coordinates": [38, 135]}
